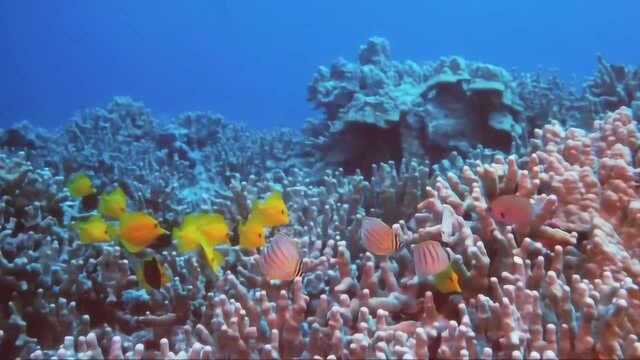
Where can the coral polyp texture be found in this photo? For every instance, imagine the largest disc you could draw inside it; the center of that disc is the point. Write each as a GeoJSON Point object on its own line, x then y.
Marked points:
{"type": "Point", "coordinates": [458, 137]}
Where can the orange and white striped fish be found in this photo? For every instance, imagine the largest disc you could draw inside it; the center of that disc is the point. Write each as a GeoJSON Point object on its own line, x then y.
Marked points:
{"type": "Point", "coordinates": [378, 238]}
{"type": "Point", "coordinates": [430, 258]}
{"type": "Point", "coordinates": [281, 259]}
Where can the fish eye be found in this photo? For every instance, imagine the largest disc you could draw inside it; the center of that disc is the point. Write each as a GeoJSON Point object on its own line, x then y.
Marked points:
{"type": "Point", "coordinates": [282, 211]}
{"type": "Point", "coordinates": [502, 214]}
{"type": "Point", "coordinates": [155, 225]}
{"type": "Point", "coordinates": [106, 232]}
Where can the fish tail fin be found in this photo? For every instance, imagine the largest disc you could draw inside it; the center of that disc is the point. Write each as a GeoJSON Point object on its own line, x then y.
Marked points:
{"type": "Point", "coordinates": [214, 258]}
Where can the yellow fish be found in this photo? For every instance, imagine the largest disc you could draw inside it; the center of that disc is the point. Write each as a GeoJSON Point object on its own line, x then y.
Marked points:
{"type": "Point", "coordinates": [201, 229]}
{"type": "Point", "coordinates": [214, 258]}
{"type": "Point", "coordinates": [138, 230]}
{"type": "Point", "coordinates": [447, 281]}
{"type": "Point", "coordinates": [93, 230]}
{"type": "Point", "coordinates": [272, 211]}
{"type": "Point", "coordinates": [152, 274]}
{"type": "Point", "coordinates": [113, 205]}
{"type": "Point", "coordinates": [214, 229]}
{"type": "Point", "coordinates": [80, 186]}
{"type": "Point", "coordinates": [251, 234]}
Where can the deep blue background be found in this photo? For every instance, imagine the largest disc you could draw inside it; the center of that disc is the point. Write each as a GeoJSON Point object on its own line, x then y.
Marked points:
{"type": "Point", "coordinates": [252, 60]}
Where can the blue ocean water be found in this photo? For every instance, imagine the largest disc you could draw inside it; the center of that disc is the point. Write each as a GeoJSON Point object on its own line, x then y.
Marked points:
{"type": "Point", "coordinates": [252, 60]}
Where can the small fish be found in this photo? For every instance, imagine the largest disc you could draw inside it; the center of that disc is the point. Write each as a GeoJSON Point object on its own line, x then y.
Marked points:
{"type": "Point", "coordinates": [80, 186]}
{"type": "Point", "coordinates": [511, 210]}
{"type": "Point", "coordinates": [187, 235]}
{"type": "Point", "coordinates": [430, 258]}
{"type": "Point", "coordinates": [93, 230]}
{"type": "Point", "coordinates": [201, 229]}
{"type": "Point", "coordinates": [138, 230]}
{"type": "Point", "coordinates": [448, 217]}
{"type": "Point", "coordinates": [214, 229]}
{"type": "Point", "coordinates": [447, 281]}
{"type": "Point", "coordinates": [281, 260]}
{"type": "Point", "coordinates": [152, 274]}
{"type": "Point", "coordinates": [272, 211]}
{"type": "Point", "coordinates": [378, 238]}
{"type": "Point", "coordinates": [113, 205]}
{"type": "Point", "coordinates": [251, 234]}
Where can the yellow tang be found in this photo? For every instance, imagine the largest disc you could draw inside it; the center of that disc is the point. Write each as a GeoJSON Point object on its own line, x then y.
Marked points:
{"type": "Point", "coordinates": [138, 230]}
{"type": "Point", "coordinates": [93, 230]}
{"type": "Point", "coordinates": [214, 229]}
{"type": "Point", "coordinates": [447, 281]}
{"type": "Point", "coordinates": [80, 186]}
{"type": "Point", "coordinates": [113, 205]}
{"type": "Point", "coordinates": [272, 211]}
{"type": "Point", "coordinates": [251, 234]}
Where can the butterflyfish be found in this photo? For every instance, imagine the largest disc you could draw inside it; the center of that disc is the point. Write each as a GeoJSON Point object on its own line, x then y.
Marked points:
{"type": "Point", "coordinates": [281, 259]}
{"type": "Point", "coordinates": [378, 238]}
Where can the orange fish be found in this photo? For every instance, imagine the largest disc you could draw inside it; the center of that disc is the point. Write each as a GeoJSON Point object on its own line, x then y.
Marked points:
{"type": "Point", "coordinates": [138, 230]}
{"type": "Point", "coordinates": [512, 210]}
{"type": "Point", "coordinates": [430, 258]}
{"type": "Point", "coordinates": [281, 259]}
{"type": "Point", "coordinates": [378, 238]}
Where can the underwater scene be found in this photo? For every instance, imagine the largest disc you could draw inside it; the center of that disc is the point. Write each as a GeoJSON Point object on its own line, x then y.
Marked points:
{"type": "Point", "coordinates": [319, 180]}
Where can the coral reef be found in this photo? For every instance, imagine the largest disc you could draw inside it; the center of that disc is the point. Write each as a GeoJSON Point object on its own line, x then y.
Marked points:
{"type": "Point", "coordinates": [420, 111]}
{"type": "Point", "coordinates": [565, 285]}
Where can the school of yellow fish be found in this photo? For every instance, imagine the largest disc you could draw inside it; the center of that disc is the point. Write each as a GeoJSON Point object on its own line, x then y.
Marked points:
{"type": "Point", "coordinates": [280, 260]}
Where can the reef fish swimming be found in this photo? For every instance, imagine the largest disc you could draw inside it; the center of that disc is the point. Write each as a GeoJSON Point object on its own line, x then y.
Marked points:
{"type": "Point", "coordinates": [206, 231]}
{"type": "Point", "coordinates": [271, 211]}
{"type": "Point", "coordinates": [93, 230]}
{"type": "Point", "coordinates": [378, 238]}
{"type": "Point", "coordinates": [138, 230]}
{"type": "Point", "coordinates": [113, 205]}
{"type": "Point", "coordinates": [80, 186]}
{"type": "Point", "coordinates": [512, 210]}
{"type": "Point", "coordinates": [431, 259]}
{"type": "Point", "coordinates": [252, 234]}
{"type": "Point", "coordinates": [281, 259]}
{"type": "Point", "coordinates": [152, 274]}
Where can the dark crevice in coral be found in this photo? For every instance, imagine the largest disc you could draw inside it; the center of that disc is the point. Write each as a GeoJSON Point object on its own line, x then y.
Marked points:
{"type": "Point", "coordinates": [367, 145]}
